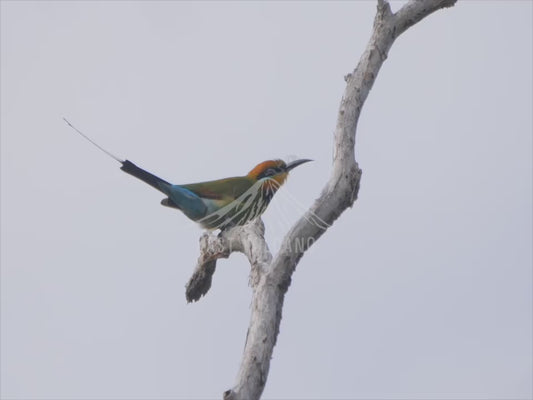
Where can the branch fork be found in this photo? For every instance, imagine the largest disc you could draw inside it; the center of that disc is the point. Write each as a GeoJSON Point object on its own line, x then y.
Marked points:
{"type": "Point", "coordinates": [248, 239]}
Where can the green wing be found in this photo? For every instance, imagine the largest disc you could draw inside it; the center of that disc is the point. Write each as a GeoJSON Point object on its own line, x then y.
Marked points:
{"type": "Point", "coordinates": [227, 189]}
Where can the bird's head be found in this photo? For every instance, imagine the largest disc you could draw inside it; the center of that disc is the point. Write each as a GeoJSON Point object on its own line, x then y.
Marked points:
{"type": "Point", "coordinates": [277, 170]}
{"type": "Point", "coordinates": [260, 185]}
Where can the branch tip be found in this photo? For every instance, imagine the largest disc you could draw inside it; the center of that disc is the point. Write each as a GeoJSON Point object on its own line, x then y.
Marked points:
{"type": "Point", "coordinates": [384, 9]}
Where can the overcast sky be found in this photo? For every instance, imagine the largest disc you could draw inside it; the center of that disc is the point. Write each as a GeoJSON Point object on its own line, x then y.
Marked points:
{"type": "Point", "coordinates": [423, 290]}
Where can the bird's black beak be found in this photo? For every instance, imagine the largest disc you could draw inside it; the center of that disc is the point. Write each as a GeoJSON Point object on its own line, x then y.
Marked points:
{"type": "Point", "coordinates": [294, 164]}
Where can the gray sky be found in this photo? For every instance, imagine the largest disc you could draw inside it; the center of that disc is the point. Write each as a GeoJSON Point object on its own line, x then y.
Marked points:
{"type": "Point", "coordinates": [422, 290]}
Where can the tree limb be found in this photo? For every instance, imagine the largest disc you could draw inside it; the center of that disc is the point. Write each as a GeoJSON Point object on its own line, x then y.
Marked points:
{"type": "Point", "coordinates": [248, 239]}
{"type": "Point", "coordinates": [271, 277]}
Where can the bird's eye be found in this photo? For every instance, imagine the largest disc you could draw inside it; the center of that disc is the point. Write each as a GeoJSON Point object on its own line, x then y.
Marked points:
{"type": "Point", "coordinates": [270, 172]}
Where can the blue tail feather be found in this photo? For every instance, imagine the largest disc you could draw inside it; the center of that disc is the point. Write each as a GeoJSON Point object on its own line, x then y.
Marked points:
{"type": "Point", "coordinates": [187, 201]}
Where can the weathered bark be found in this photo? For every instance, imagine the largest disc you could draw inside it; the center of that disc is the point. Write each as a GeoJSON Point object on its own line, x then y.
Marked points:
{"type": "Point", "coordinates": [271, 277]}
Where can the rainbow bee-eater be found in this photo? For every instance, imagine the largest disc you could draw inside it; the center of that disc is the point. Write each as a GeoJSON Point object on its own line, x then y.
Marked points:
{"type": "Point", "coordinates": [221, 203]}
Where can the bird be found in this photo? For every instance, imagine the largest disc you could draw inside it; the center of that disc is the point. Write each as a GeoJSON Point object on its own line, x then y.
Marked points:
{"type": "Point", "coordinates": [218, 204]}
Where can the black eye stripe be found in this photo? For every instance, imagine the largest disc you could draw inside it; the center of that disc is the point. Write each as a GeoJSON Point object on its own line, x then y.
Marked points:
{"type": "Point", "coordinates": [271, 171]}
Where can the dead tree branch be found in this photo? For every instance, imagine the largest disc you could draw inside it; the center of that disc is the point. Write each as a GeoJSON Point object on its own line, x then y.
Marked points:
{"type": "Point", "coordinates": [271, 277]}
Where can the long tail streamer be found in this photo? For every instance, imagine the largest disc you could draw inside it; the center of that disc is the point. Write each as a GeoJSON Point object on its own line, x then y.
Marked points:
{"type": "Point", "coordinates": [93, 142]}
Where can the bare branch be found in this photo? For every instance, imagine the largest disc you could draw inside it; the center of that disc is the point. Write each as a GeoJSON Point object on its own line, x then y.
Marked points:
{"type": "Point", "coordinates": [211, 249]}
{"type": "Point", "coordinates": [415, 10]}
{"type": "Point", "coordinates": [248, 239]}
{"type": "Point", "coordinates": [271, 278]}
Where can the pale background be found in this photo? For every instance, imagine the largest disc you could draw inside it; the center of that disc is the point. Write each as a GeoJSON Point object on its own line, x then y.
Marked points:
{"type": "Point", "coordinates": [422, 290]}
